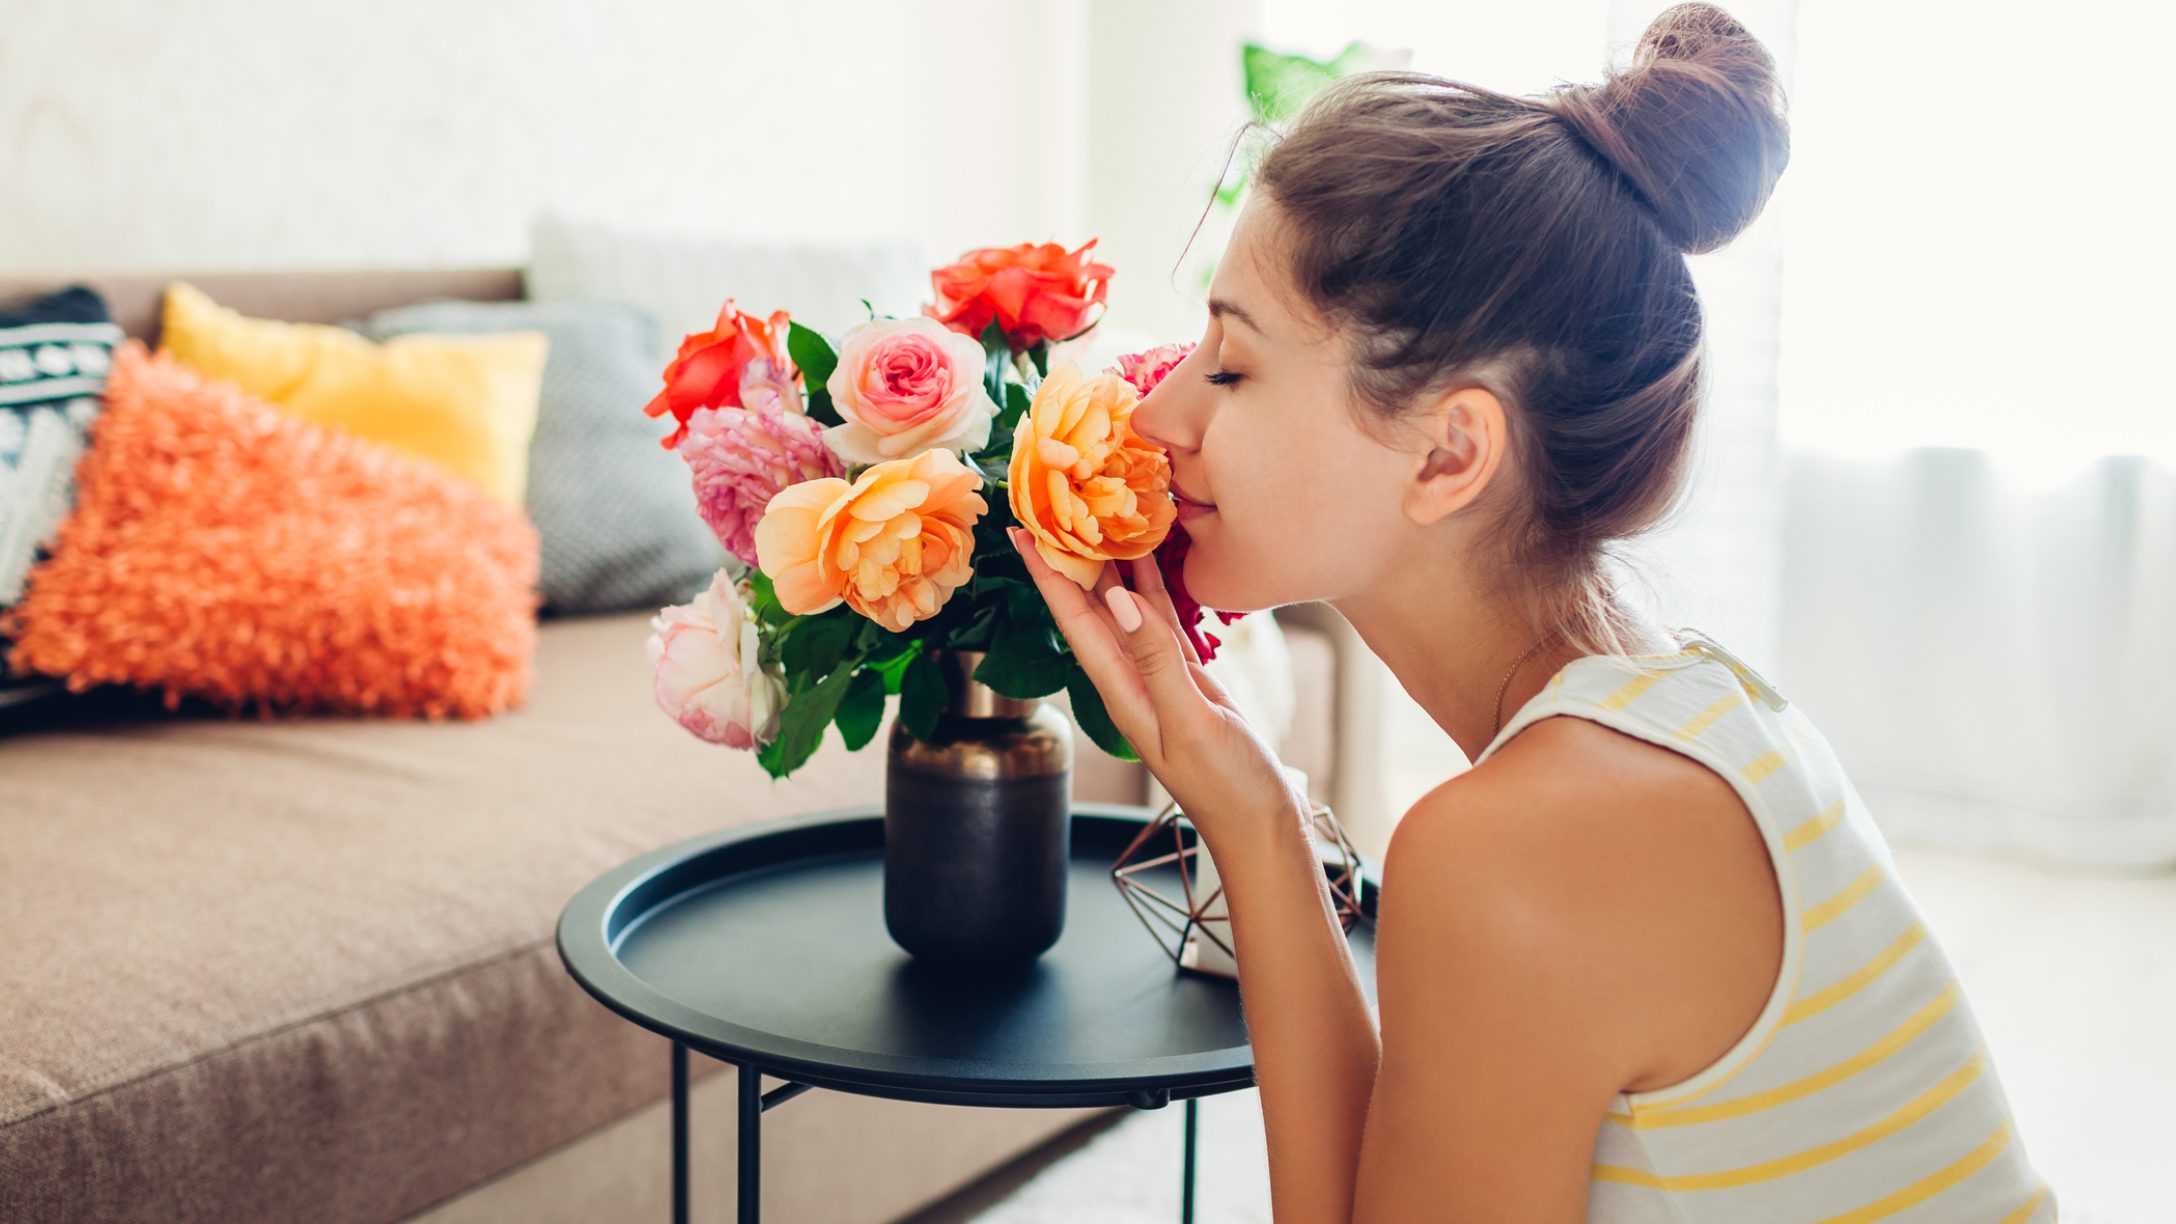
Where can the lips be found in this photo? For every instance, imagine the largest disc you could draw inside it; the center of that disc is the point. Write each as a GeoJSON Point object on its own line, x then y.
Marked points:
{"type": "Point", "coordinates": [1185, 499]}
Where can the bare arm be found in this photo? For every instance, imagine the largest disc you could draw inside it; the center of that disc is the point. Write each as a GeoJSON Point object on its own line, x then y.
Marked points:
{"type": "Point", "coordinates": [1585, 914]}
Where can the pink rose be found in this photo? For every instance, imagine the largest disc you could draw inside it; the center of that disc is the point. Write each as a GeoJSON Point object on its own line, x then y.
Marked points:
{"type": "Point", "coordinates": [905, 386]}
{"type": "Point", "coordinates": [1145, 370]}
{"type": "Point", "coordinates": [742, 457]}
{"type": "Point", "coordinates": [705, 655]}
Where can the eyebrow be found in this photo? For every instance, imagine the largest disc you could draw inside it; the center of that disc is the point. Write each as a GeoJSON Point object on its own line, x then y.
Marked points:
{"type": "Point", "coordinates": [1218, 308]}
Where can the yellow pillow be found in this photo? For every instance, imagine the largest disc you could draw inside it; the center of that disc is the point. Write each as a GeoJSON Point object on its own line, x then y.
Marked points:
{"type": "Point", "coordinates": [465, 403]}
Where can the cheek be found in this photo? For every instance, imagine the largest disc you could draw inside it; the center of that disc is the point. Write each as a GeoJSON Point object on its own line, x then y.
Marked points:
{"type": "Point", "coordinates": [1300, 513]}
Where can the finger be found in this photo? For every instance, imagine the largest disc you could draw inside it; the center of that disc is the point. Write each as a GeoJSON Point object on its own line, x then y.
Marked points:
{"type": "Point", "coordinates": [1092, 633]}
{"type": "Point", "coordinates": [1159, 656]}
{"type": "Point", "coordinates": [1148, 582]}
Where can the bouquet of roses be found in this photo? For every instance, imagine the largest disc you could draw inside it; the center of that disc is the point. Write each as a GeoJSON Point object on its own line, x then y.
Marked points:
{"type": "Point", "coordinates": [868, 483]}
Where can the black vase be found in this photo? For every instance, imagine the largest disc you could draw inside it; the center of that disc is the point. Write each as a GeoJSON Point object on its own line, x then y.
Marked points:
{"type": "Point", "coordinates": [978, 827]}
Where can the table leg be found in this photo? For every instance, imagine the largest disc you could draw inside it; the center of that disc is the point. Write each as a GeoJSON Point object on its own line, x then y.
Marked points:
{"type": "Point", "coordinates": [751, 1144]}
{"type": "Point", "coordinates": [1186, 1179]}
{"type": "Point", "coordinates": [679, 1133]}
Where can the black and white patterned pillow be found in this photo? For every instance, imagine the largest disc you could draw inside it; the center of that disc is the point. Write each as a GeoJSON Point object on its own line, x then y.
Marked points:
{"type": "Point", "coordinates": [54, 354]}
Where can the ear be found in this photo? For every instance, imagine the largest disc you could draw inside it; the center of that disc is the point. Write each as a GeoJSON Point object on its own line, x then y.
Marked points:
{"type": "Point", "coordinates": [1462, 439]}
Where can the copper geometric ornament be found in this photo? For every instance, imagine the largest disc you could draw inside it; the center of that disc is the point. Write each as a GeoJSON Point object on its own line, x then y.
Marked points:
{"type": "Point", "coordinates": [1194, 928]}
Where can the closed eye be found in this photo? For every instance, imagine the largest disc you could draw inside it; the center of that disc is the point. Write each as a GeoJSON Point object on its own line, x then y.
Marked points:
{"type": "Point", "coordinates": [1222, 378]}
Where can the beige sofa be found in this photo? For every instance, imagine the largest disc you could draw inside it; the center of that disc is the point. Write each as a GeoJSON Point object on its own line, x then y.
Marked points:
{"type": "Point", "coordinates": [303, 970]}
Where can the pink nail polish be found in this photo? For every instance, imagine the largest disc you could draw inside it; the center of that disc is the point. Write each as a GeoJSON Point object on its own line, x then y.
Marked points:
{"type": "Point", "coordinates": [1124, 608]}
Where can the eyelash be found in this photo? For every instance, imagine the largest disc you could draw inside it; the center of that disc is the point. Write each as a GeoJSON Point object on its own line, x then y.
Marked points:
{"type": "Point", "coordinates": [1222, 378]}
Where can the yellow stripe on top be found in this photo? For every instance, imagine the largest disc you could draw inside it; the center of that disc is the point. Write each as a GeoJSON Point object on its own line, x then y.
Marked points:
{"type": "Point", "coordinates": [1919, 1107]}
{"type": "Point", "coordinates": [1897, 1039]}
{"type": "Point", "coordinates": [2031, 1205]}
{"type": "Point", "coordinates": [1815, 1004]}
{"type": "Point", "coordinates": [1833, 908]}
{"type": "Point", "coordinates": [1925, 1188]}
{"type": "Point", "coordinates": [1766, 763]}
{"type": "Point", "coordinates": [1830, 817]}
{"type": "Point", "coordinates": [1707, 718]}
{"type": "Point", "coordinates": [1626, 695]}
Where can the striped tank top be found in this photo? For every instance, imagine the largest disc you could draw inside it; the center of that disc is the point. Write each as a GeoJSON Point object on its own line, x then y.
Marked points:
{"type": "Point", "coordinates": [1864, 1091]}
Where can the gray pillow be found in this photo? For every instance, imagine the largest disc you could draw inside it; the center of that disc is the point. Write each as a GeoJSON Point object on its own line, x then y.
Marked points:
{"type": "Point", "coordinates": [616, 511]}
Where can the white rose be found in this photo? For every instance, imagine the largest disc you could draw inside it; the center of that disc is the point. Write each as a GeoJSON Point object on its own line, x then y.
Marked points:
{"type": "Point", "coordinates": [704, 655]}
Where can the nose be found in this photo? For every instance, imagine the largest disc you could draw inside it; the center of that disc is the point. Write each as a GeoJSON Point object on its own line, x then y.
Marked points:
{"type": "Point", "coordinates": [1175, 414]}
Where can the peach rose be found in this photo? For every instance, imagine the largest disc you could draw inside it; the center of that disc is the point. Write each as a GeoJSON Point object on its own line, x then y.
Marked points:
{"type": "Point", "coordinates": [1089, 488]}
{"type": "Point", "coordinates": [894, 544]}
{"type": "Point", "coordinates": [905, 386]}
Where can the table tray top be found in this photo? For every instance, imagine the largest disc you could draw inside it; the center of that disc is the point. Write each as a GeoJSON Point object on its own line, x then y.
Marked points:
{"type": "Point", "coordinates": [765, 945]}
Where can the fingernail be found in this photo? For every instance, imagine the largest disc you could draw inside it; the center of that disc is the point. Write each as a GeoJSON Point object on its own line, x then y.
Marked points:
{"type": "Point", "coordinates": [1124, 608]}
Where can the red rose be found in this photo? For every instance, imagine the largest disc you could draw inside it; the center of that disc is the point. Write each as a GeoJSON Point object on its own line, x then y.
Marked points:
{"type": "Point", "coordinates": [1036, 293]}
{"type": "Point", "coordinates": [709, 369]}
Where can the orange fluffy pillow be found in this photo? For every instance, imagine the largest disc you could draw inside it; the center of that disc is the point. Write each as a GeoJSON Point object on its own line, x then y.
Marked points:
{"type": "Point", "coordinates": [221, 548]}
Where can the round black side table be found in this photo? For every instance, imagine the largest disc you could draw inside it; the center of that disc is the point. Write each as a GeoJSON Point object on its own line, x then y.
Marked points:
{"type": "Point", "coordinates": [765, 947]}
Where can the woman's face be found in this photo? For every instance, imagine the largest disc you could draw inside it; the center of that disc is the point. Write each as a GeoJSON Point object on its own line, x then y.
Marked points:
{"type": "Point", "coordinates": [1286, 496]}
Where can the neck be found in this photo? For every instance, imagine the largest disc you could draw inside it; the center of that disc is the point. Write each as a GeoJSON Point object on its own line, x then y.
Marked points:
{"type": "Point", "coordinates": [1451, 644]}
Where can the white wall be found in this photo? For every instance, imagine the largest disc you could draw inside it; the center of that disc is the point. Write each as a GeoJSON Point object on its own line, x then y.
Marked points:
{"type": "Point", "coordinates": [267, 134]}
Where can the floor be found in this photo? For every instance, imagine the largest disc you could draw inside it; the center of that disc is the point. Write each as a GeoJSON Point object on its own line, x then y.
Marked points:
{"type": "Point", "coordinates": [2074, 979]}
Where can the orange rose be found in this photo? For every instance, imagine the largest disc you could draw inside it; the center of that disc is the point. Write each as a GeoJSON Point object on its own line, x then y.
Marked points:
{"type": "Point", "coordinates": [712, 365]}
{"type": "Point", "coordinates": [1089, 488]}
{"type": "Point", "coordinates": [894, 544]}
{"type": "Point", "coordinates": [1035, 293]}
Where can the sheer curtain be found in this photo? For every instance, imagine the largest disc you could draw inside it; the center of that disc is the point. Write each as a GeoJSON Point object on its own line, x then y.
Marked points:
{"type": "Point", "coordinates": [1979, 579]}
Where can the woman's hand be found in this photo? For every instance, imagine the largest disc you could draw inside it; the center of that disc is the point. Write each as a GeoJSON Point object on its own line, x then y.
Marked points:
{"type": "Point", "coordinates": [1178, 718]}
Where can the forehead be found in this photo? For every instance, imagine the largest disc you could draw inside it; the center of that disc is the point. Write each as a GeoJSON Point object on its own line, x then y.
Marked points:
{"type": "Point", "coordinates": [1253, 287]}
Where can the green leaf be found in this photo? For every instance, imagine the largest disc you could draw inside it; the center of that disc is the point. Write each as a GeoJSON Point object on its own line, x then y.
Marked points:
{"type": "Point", "coordinates": [861, 709]}
{"type": "Point", "coordinates": [812, 353]}
{"type": "Point", "coordinates": [1040, 355]}
{"type": "Point", "coordinates": [815, 644]}
{"type": "Point", "coordinates": [817, 359]}
{"type": "Point", "coordinates": [1026, 662]}
{"type": "Point", "coordinates": [801, 725]}
{"type": "Point", "coordinates": [1279, 85]}
{"type": "Point", "coordinates": [996, 352]}
{"type": "Point", "coordinates": [923, 696]}
{"type": "Point", "coordinates": [763, 600]}
{"type": "Point", "coordinates": [894, 669]}
{"type": "Point", "coordinates": [1089, 712]}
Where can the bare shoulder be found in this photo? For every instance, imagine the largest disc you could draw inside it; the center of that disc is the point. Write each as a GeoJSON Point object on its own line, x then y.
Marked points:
{"type": "Point", "coordinates": [1599, 866]}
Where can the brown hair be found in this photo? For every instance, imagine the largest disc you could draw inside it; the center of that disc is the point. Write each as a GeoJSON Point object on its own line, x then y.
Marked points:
{"type": "Point", "coordinates": [1536, 246]}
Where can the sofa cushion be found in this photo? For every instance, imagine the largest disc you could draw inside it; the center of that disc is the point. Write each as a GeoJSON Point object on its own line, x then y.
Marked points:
{"type": "Point", "coordinates": [54, 354]}
{"type": "Point", "coordinates": [465, 403]}
{"type": "Point", "coordinates": [615, 510]}
{"type": "Point", "coordinates": [227, 550]}
{"type": "Point", "coordinates": [682, 281]}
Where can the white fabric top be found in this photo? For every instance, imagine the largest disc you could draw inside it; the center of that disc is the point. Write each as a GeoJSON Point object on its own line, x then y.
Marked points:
{"type": "Point", "coordinates": [1864, 1091]}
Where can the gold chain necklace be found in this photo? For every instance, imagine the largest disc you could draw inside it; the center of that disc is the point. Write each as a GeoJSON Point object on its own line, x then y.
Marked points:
{"type": "Point", "coordinates": [1513, 670]}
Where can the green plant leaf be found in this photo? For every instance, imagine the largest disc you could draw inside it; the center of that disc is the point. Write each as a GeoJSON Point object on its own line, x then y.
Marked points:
{"type": "Point", "coordinates": [1026, 662]}
{"type": "Point", "coordinates": [1279, 85]}
{"type": "Point", "coordinates": [763, 600]}
{"type": "Point", "coordinates": [1039, 353]}
{"type": "Point", "coordinates": [923, 696]}
{"type": "Point", "coordinates": [1089, 712]}
{"type": "Point", "coordinates": [894, 669]}
{"type": "Point", "coordinates": [815, 644]}
{"type": "Point", "coordinates": [801, 724]}
{"type": "Point", "coordinates": [815, 355]}
{"type": "Point", "coordinates": [861, 709]}
{"type": "Point", "coordinates": [996, 352]}
{"type": "Point", "coordinates": [816, 359]}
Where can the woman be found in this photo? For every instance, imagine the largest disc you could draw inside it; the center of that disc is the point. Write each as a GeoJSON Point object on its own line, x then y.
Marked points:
{"type": "Point", "coordinates": [1647, 960]}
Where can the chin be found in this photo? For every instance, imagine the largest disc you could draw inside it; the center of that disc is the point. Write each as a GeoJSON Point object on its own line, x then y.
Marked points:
{"type": "Point", "coordinates": [1220, 577]}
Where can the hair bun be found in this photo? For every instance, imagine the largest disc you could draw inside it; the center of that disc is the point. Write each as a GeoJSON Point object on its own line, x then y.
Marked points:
{"type": "Point", "coordinates": [1696, 124]}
